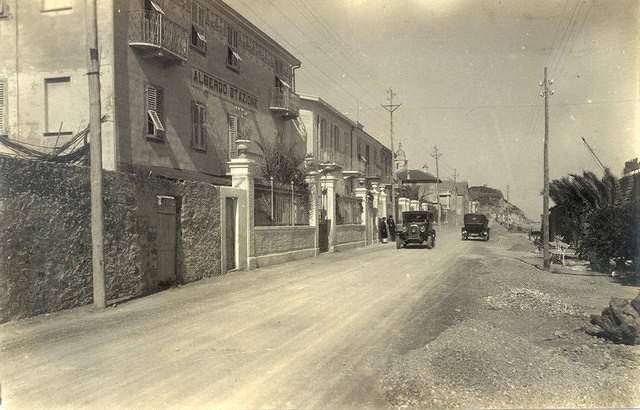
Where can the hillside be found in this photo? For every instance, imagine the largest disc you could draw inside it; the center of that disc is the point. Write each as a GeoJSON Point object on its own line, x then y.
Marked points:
{"type": "Point", "coordinates": [493, 203]}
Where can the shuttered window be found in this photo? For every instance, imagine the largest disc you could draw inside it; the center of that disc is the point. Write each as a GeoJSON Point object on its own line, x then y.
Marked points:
{"type": "Point", "coordinates": [233, 122]}
{"type": "Point", "coordinates": [198, 23]}
{"type": "Point", "coordinates": [4, 128]}
{"type": "Point", "coordinates": [154, 112]}
{"type": "Point", "coordinates": [199, 126]}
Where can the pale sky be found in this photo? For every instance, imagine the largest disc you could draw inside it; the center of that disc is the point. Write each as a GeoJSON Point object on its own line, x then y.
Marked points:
{"type": "Point", "coordinates": [467, 73]}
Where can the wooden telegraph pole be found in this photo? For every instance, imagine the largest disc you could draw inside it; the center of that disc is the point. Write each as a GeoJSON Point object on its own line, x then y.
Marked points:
{"type": "Point", "coordinates": [95, 135]}
{"type": "Point", "coordinates": [545, 201]}
{"type": "Point", "coordinates": [436, 155]}
{"type": "Point", "coordinates": [391, 107]}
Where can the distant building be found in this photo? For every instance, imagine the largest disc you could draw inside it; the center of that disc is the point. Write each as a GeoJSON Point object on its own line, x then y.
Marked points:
{"type": "Point", "coordinates": [334, 139]}
{"type": "Point", "coordinates": [631, 167]}
{"type": "Point", "coordinates": [463, 205]}
{"type": "Point", "coordinates": [401, 164]}
{"type": "Point", "coordinates": [181, 81]}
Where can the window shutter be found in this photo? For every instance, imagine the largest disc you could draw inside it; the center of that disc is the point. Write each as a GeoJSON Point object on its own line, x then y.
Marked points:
{"type": "Point", "coordinates": [194, 124]}
{"type": "Point", "coordinates": [233, 136]}
{"type": "Point", "coordinates": [203, 126]}
{"type": "Point", "coordinates": [153, 100]}
{"type": "Point", "coordinates": [3, 105]}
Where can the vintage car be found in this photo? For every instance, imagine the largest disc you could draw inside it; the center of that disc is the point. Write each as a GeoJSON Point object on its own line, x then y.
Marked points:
{"type": "Point", "coordinates": [417, 228]}
{"type": "Point", "coordinates": [475, 226]}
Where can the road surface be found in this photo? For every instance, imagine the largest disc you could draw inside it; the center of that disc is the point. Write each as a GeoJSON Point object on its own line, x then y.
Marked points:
{"type": "Point", "coordinates": [312, 333]}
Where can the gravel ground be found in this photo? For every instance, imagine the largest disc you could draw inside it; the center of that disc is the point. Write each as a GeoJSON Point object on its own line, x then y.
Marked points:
{"type": "Point", "coordinates": [521, 342]}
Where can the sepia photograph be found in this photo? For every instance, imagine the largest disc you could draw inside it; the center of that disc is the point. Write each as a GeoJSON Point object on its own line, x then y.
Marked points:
{"type": "Point", "coordinates": [319, 204]}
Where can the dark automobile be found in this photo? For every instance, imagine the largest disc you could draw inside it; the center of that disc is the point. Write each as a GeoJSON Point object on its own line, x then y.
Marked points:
{"type": "Point", "coordinates": [417, 228]}
{"type": "Point", "coordinates": [476, 226]}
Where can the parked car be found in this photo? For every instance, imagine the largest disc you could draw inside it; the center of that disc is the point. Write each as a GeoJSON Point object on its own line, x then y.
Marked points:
{"type": "Point", "coordinates": [475, 226]}
{"type": "Point", "coordinates": [417, 228]}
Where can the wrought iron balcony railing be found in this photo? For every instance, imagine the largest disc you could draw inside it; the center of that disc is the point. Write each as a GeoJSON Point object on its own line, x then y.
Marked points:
{"type": "Point", "coordinates": [284, 102]}
{"type": "Point", "coordinates": [326, 155]}
{"type": "Point", "coordinates": [158, 36]}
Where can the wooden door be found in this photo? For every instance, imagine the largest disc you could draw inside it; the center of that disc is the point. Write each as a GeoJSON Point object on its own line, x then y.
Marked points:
{"type": "Point", "coordinates": [167, 221]}
{"type": "Point", "coordinates": [230, 236]}
{"type": "Point", "coordinates": [323, 235]}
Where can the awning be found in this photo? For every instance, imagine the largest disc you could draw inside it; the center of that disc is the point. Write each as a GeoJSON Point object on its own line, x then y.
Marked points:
{"type": "Point", "coordinates": [156, 7]}
{"type": "Point", "coordinates": [284, 83]}
{"type": "Point", "coordinates": [156, 120]}
{"type": "Point", "coordinates": [201, 36]}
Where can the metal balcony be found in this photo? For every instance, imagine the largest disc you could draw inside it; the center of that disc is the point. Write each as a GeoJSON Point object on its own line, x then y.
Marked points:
{"type": "Point", "coordinates": [157, 36]}
{"type": "Point", "coordinates": [284, 102]}
{"type": "Point", "coordinates": [329, 156]}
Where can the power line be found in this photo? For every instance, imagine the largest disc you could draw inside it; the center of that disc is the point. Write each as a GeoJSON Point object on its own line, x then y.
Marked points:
{"type": "Point", "coordinates": [470, 107]}
{"type": "Point", "coordinates": [315, 43]}
{"type": "Point", "coordinates": [298, 51]}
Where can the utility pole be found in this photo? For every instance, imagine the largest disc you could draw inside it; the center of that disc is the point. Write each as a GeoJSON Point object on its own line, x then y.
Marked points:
{"type": "Point", "coordinates": [437, 155]}
{"type": "Point", "coordinates": [455, 201]}
{"type": "Point", "coordinates": [95, 133]}
{"type": "Point", "coordinates": [391, 107]}
{"type": "Point", "coordinates": [545, 201]}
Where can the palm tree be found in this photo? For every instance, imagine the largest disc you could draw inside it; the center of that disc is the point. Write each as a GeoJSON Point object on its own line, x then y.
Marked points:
{"type": "Point", "coordinates": [593, 214]}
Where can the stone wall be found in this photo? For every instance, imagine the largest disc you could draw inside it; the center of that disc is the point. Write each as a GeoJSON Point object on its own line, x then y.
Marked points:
{"type": "Point", "coordinates": [350, 236]}
{"type": "Point", "coordinates": [278, 244]}
{"type": "Point", "coordinates": [45, 235]}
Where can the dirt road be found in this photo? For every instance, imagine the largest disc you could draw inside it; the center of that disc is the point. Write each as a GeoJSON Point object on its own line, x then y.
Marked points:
{"type": "Point", "coordinates": [312, 333]}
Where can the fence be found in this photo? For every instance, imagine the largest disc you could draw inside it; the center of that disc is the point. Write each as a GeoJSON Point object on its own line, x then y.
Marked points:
{"type": "Point", "coordinates": [348, 210]}
{"type": "Point", "coordinates": [280, 204]}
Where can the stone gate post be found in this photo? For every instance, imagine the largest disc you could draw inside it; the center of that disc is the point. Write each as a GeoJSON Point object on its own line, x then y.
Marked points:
{"type": "Point", "coordinates": [313, 181]}
{"type": "Point", "coordinates": [328, 191]}
{"type": "Point", "coordinates": [361, 192]}
{"type": "Point", "coordinates": [242, 171]}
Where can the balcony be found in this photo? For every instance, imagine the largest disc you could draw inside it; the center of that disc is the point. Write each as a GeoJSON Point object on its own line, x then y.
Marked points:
{"type": "Point", "coordinates": [328, 156]}
{"type": "Point", "coordinates": [157, 36]}
{"type": "Point", "coordinates": [284, 102]}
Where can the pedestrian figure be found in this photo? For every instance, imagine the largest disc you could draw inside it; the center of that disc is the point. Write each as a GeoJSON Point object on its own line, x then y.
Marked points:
{"type": "Point", "coordinates": [392, 228]}
{"type": "Point", "coordinates": [382, 230]}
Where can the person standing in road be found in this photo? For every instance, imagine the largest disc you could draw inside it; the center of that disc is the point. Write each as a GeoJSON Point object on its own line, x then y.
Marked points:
{"type": "Point", "coordinates": [382, 230]}
{"type": "Point", "coordinates": [392, 228]}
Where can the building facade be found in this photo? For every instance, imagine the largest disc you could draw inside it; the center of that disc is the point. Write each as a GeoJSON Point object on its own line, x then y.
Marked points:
{"type": "Point", "coordinates": [334, 139]}
{"type": "Point", "coordinates": [181, 82]}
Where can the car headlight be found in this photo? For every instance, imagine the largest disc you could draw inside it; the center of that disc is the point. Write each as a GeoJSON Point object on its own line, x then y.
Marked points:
{"type": "Point", "coordinates": [423, 229]}
{"type": "Point", "coordinates": [404, 229]}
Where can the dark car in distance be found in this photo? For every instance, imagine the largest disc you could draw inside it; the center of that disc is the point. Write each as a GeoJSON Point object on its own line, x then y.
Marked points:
{"type": "Point", "coordinates": [417, 228]}
{"type": "Point", "coordinates": [475, 226]}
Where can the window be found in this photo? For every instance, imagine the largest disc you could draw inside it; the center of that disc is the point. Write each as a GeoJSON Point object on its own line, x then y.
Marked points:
{"type": "Point", "coordinates": [233, 58]}
{"type": "Point", "coordinates": [58, 112]}
{"type": "Point", "coordinates": [199, 126]}
{"type": "Point", "coordinates": [198, 23]}
{"type": "Point", "coordinates": [4, 128]}
{"type": "Point", "coordinates": [55, 5]}
{"type": "Point", "coordinates": [323, 133]}
{"type": "Point", "coordinates": [2, 8]}
{"type": "Point", "coordinates": [233, 122]}
{"type": "Point", "coordinates": [336, 138]}
{"type": "Point", "coordinates": [154, 112]}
